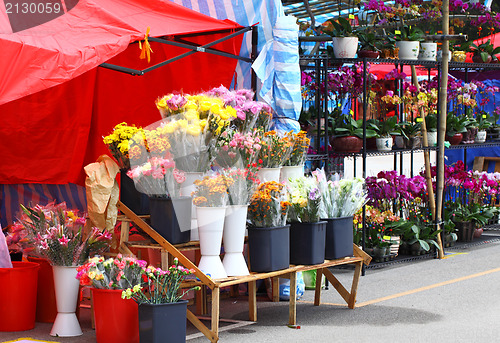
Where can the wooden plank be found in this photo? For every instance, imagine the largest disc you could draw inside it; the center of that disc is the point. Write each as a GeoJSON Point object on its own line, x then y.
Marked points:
{"type": "Point", "coordinates": [358, 252]}
{"type": "Point", "coordinates": [292, 306]}
{"type": "Point", "coordinates": [165, 244]}
{"type": "Point", "coordinates": [337, 285]}
{"type": "Point", "coordinates": [215, 312]}
{"type": "Point", "coordinates": [317, 290]}
{"type": "Point", "coordinates": [276, 288]}
{"type": "Point", "coordinates": [252, 301]}
{"type": "Point", "coordinates": [200, 326]}
{"type": "Point", "coordinates": [354, 288]}
{"type": "Point", "coordinates": [478, 163]}
{"type": "Point", "coordinates": [164, 259]}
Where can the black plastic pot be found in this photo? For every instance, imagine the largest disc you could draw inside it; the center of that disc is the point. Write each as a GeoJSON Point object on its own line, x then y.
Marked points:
{"type": "Point", "coordinates": [171, 218]}
{"type": "Point", "coordinates": [339, 237]}
{"type": "Point", "coordinates": [307, 243]}
{"type": "Point", "coordinates": [269, 248]}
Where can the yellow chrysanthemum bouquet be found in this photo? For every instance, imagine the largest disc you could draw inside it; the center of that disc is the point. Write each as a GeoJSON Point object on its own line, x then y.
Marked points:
{"type": "Point", "coordinates": [268, 205]}
{"type": "Point", "coordinates": [212, 190]}
{"type": "Point", "coordinates": [300, 145]}
{"type": "Point", "coordinates": [274, 151]}
{"type": "Point", "coordinates": [124, 144]}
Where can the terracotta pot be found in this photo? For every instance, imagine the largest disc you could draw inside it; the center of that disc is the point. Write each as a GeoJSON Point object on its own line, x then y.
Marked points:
{"type": "Point", "coordinates": [368, 54]}
{"type": "Point", "coordinates": [347, 144]}
{"type": "Point", "coordinates": [455, 139]}
{"type": "Point", "coordinates": [478, 232]}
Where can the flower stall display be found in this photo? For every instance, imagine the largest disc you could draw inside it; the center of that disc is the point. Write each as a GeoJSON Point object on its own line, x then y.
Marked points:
{"type": "Point", "coordinates": [162, 312]}
{"type": "Point", "coordinates": [121, 141]}
{"type": "Point", "coordinates": [341, 199]}
{"type": "Point", "coordinates": [237, 149]}
{"type": "Point", "coordinates": [274, 150]}
{"type": "Point", "coordinates": [210, 199]}
{"type": "Point", "coordinates": [240, 188]}
{"type": "Point", "coordinates": [108, 278]}
{"type": "Point", "coordinates": [294, 164]}
{"type": "Point", "coordinates": [59, 236]}
{"type": "Point", "coordinates": [268, 231]}
{"type": "Point", "coordinates": [307, 231]}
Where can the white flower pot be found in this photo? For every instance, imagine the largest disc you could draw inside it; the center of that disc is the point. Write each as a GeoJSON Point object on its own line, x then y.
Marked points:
{"type": "Point", "coordinates": [234, 239]}
{"type": "Point", "coordinates": [66, 287]}
{"type": "Point", "coordinates": [188, 187]}
{"type": "Point", "coordinates": [431, 138]}
{"type": "Point", "coordinates": [293, 172]}
{"type": "Point", "coordinates": [210, 228]}
{"type": "Point", "coordinates": [345, 47]}
{"type": "Point", "coordinates": [480, 137]}
{"type": "Point", "coordinates": [269, 174]}
{"type": "Point", "coordinates": [428, 52]}
{"type": "Point", "coordinates": [384, 144]}
{"type": "Point", "coordinates": [408, 50]}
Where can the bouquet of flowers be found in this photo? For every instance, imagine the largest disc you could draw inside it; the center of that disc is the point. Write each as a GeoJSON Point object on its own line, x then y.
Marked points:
{"type": "Point", "coordinates": [274, 150]}
{"type": "Point", "coordinates": [212, 190]}
{"type": "Point", "coordinates": [268, 205]}
{"type": "Point", "coordinates": [111, 273]}
{"type": "Point", "coordinates": [157, 286]}
{"type": "Point", "coordinates": [57, 234]}
{"type": "Point", "coordinates": [378, 225]}
{"type": "Point", "coordinates": [235, 149]}
{"type": "Point", "coordinates": [300, 145]}
{"type": "Point", "coordinates": [305, 199]}
{"type": "Point", "coordinates": [341, 198]}
{"type": "Point", "coordinates": [242, 185]}
{"type": "Point", "coordinates": [120, 144]}
{"type": "Point", "coordinates": [158, 177]}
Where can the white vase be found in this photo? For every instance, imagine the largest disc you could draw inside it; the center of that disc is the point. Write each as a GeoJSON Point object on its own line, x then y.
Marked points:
{"type": "Point", "coordinates": [66, 287]}
{"type": "Point", "coordinates": [292, 172]}
{"type": "Point", "coordinates": [384, 144]}
{"type": "Point", "coordinates": [408, 50]}
{"type": "Point", "coordinates": [234, 239]}
{"type": "Point", "coordinates": [480, 137]}
{"type": "Point", "coordinates": [431, 138]}
{"type": "Point", "coordinates": [345, 47]}
{"type": "Point", "coordinates": [210, 228]}
{"type": "Point", "coordinates": [428, 52]}
{"type": "Point", "coordinates": [269, 174]}
{"type": "Point", "coordinates": [188, 187]}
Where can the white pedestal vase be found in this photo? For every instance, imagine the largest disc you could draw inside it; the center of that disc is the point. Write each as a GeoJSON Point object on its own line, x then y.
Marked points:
{"type": "Point", "coordinates": [210, 228]}
{"type": "Point", "coordinates": [234, 240]}
{"type": "Point", "coordinates": [480, 137]}
{"type": "Point", "coordinates": [291, 172]}
{"type": "Point", "coordinates": [408, 50]}
{"type": "Point", "coordinates": [187, 188]}
{"type": "Point", "coordinates": [345, 47]}
{"type": "Point", "coordinates": [384, 144]}
{"type": "Point", "coordinates": [428, 51]}
{"type": "Point", "coordinates": [66, 287]}
{"type": "Point", "coordinates": [269, 174]}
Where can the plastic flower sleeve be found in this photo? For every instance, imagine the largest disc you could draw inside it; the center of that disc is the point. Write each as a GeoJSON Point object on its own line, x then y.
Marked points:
{"type": "Point", "coordinates": [268, 206]}
{"type": "Point", "coordinates": [300, 145]}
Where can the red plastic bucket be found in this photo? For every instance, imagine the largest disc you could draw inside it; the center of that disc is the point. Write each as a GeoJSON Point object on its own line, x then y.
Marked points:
{"type": "Point", "coordinates": [46, 309]}
{"type": "Point", "coordinates": [18, 296]}
{"type": "Point", "coordinates": [116, 319]}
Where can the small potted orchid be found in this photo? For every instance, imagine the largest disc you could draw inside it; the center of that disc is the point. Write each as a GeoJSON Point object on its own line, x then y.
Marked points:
{"type": "Point", "coordinates": [162, 311]}
{"type": "Point", "coordinates": [268, 232]}
{"type": "Point", "coordinates": [341, 200]}
{"type": "Point", "coordinates": [307, 230]}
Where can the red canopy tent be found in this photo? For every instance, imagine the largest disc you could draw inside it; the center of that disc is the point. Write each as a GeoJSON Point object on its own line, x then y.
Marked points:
{"type": "Point", "coordinates": [56, 105]}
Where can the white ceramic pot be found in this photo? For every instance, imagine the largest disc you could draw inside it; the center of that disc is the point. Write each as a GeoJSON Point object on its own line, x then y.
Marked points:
{"type": "Point", "coordinates": [408, 50]}
{"type": "Point", "coordinates": [384, 144]}
{"type": "Point", "coordinates": [269, 174]}
{"type": "Point", "coordinates": [480, 137]}
{"type": "Point", "coordinates": [345, 47]}
{"type": "Point", "coordinates": [428, 52]}
{"type": "Point", "coordinates": [431, 138]}
{"type": "Point", "coordinates": [66, 287]}
{"type": "Point", "coordinates": [234, 239]}
{"type": "Point", "coordinates": [439, 55]}
{"type": "Point", "coordinates": [293, 172]}
{"type": "Point", "coordinates": [210, 228]}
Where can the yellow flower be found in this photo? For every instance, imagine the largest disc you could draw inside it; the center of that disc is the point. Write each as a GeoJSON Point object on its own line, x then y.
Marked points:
{"type": "Point", "coordinates": [182, 123]}
{"type": "Point", "coordinates": [99, 276]}
{"type": "Point", "coordinates": [223, 115]}
{"type": "Point", "coordinates": [193, 130]}
{"type": "Point", "coordinates": [205, 106]}
{"type": "Point", "coordinates": [215, 108]}
{"type": "Point", "coordinates": [162, 103]}
{"type": "Point", "coordinates": [126, 294]}
{"type": "Point", "coordinates": [231, 112]}
{"type": "Point", "coordinates": [136, 288]}
{"type": "Point", "coordinates": [191, 115]}
{"type": "Point", "coordinates": [203, 123]}
{"type": "Point", "coordinates": [92, 275]}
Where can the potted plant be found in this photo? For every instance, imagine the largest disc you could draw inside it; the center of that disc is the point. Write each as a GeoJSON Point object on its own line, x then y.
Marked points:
{"type": "Point", "coordinates": [341, 200]}
{"type": "Point", "coordinates": [483, 124]}
{"type": "Point", "coordinates": [431, 127]}
{"type": "Point", "coordinates": [344, 39]}
{"type": "Point", "coordinates": [162, 312]}
{"type": "Point", "coordinates": [408, 40]}
{"type": "Point", "coordinates": [348, 133]}
{"type": "Point", "coordinates": [108, 278]}
{"type": "Point", "coordinates": [58, 235]}
{"type": "Point", "coordinates": [408, 135]}
{"type": "Point", "coordinates": [388, 48]}
{"type": "Point", "coordinates": [471, 127]}
{"type": "Point", "coordinates": [384, 130]}
{"type": "Point", "coordinates": [369, 44]}
{"type": "Point", "coordinates": [484, 52]}
{"type": "Point", "coordinates": [455, 127]}
{"type": "Point", "coordinates": [268, 232]}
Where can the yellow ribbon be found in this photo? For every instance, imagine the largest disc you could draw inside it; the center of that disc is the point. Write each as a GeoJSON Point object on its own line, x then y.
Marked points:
{"type": "Point", "coordinates": [146, 47]}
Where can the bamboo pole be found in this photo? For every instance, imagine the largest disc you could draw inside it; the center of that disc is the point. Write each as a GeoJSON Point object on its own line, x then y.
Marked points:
{"type": "Point", "coordinates": [428, 177]}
